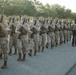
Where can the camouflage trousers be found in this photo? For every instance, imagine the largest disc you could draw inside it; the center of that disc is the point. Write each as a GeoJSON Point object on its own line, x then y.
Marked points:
{"type": "Point", "coordinates": [49, 39]}
{"type": "Point", "coordinates": [8, 38]}
{"type": "Point", "coordinates": [36, 41]}
{"type": "Point", "coordinates": [31, 44]}
{"type": "Point", "coordinates": [69, 35]}
{"type": "Point", "coordinates": [57, 37]}
{"type": "Point", "coordinates": [40, 40]}
{"type": "Point", "coordinates": [44, 40]}
{"type": "Point", "coordinates": [13, 41]}
{"type": "Point", "coordinates": [61, 37]}
{"type": "Point", "coordinates": [52, 34]}
{"type": "Point", "coordinates": [65, 36]}
{"type": "Point", "coordinates": [22, 44]}
{"type": "Point", "coordinates": [4, 47]}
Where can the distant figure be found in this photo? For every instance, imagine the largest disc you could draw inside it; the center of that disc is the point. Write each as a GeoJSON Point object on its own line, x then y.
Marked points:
{"type": "Point", "coordinates": [74, 34]}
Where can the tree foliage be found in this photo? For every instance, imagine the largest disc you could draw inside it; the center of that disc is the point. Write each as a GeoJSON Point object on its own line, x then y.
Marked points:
{"type": "Point", "coordinates": [34, 8]}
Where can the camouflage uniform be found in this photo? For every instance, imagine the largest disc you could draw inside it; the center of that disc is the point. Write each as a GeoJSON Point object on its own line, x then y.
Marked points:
{"type": "Point", "coordinates": [13, 39]}
{"type": "Point", "coordinates": [22, 42]}
{"type": "Point", "coordinates": [36, 41]}
{"type": "Point", "coordinates": [52, 34]}
{"type": "Point", "coordinates": [44, 36]}
{"type": "Point", "coordinates": [3, 45]}
{"type": "Point", "coordinates": [35, 37]}
{"type": "Point", "coordinates": [69, 32]}
{"type": "Point", "coordinates": [57, 38]}
{"type": "Point", "coordinates": [65, 33]}
{"type": "Point", "coordinates": [31, 46]}
{"type": "Point", "coordinates": [61, 34]}
{"type": "Point", "coordinates": [48, 35]}
{"type": "Point", "coordinates": [40, 42]}
{"type": "Point", "coordinates": [38, 25]}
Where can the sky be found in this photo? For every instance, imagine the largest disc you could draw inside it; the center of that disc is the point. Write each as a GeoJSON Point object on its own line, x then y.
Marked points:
{"type": "Point", "coordinates": [71, 4]}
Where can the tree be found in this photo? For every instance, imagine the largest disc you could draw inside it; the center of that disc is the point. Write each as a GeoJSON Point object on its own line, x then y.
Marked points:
{"type": "Point", "coordinates": [34, 8]}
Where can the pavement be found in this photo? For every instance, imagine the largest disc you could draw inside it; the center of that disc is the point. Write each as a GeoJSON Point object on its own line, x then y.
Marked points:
{"type": "Point", "coordinates": [56, 61]}
{"type": "Point", "coordinates": [72, 71]}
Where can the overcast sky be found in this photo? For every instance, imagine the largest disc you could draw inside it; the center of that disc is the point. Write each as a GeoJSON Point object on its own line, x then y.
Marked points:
{"type": "Point", "coordinates": [71, 4]}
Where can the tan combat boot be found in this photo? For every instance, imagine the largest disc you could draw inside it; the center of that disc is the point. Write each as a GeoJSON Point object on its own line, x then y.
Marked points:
{"type": "Point", "coordinates": [30, 54]}
{"type": "Point", "coordinates": [35, 53]}
{"type": "Point", "coordinates": [42, 49]}
{"type": "Point", "coordinates": [39, 49]}
{"type": "Point", "coordinates": [24, 57]}
{"type": "Point", "coordinates": [47, 45]}
{"type": "Point", "coordinates": [10, 52]}
{"type": "Point", "coordinates": [19, 59]}
{"type": "Point", "coordinates": [4, 65]}
{"type": "Point", "coordinates": [15, 53]}
{"type": "Point", "coordinates": [1, 56]}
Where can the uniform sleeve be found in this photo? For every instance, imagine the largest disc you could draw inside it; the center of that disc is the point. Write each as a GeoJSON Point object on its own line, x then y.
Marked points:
{"type": "Point", "coordinates": [6, 25]}
{"type": "Point", "coordinates": [18, 27]}
{"type": "Point", "coordinates": [38, 26]}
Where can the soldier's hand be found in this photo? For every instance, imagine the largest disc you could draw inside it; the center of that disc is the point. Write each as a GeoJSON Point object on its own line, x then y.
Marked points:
{"type": "Point", "coordinates": [17, 32]}
{"type": "Point", "coordinates": [30, 32]}
{"type": "Point", "coordinates": [7, 29]}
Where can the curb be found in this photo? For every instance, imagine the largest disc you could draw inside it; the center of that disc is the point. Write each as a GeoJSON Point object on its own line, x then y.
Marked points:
{"type": "Point", "coordinates": [71, 69]}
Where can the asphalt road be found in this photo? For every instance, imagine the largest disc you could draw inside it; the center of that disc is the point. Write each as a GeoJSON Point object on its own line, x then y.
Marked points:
{"type": "Point", "coordinates": [56, 61]}
{"type": "Point", "coordinates": [72, 71]}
